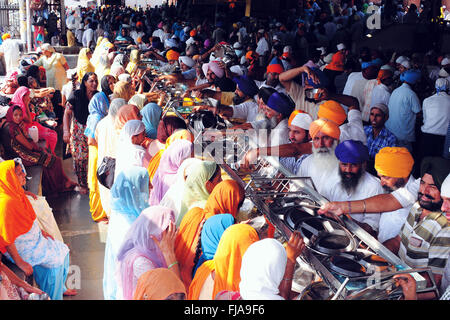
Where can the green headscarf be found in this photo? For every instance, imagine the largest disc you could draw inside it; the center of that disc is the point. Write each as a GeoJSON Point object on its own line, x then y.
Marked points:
{"type": "Point", "coordinates": [195, 193]}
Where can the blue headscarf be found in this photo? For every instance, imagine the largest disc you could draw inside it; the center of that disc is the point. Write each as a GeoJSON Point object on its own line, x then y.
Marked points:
{"type": "Point", "coordinates": [151, 115]}
{"type": "Point", "coordinates": [352, 151]}
{"type": "Point", "coordinates": [98, 108]}
{"type": "Point", "coordinates": [130, 192]}
{"type": "Point", "coordinates": [212, 231]}
{"type": "Point", "coordinates": [411, 76]}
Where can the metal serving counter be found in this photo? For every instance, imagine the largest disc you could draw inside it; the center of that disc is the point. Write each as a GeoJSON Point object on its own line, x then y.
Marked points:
{"type": "Point", "coordinates": [282, 198]}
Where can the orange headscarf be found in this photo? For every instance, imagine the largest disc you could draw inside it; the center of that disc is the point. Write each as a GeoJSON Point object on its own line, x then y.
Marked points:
{"type": "Point", "coordinates": [394, 162]}
{"type": "Point", "coordinates": [227, 261]}
{"type": "Point", "coordinates": [224, 198]}
{"type": "Point", "coordinates": [333, 111]}
{"type": "Point", "coordinates": [154, 162]}
{"type": "Point", "coordinates": [16, 213]}
{"type": "Point", "coordinates": [158, 284]}
{"type": "Point", "coordinates": [325, 126]}
{"type": "Point", "coordinates": [337, 62]}
{"type": "Point", "coordinates": [125, 113]}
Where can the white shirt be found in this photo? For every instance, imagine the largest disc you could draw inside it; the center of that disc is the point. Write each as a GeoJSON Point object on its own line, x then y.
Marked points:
{"type": "Point", "coordinates": [391, 223]}
{"type": "Point", "coordinates": [247, 110]}
{"type": "Point", "coordinates": [368, 90]}
{"type": "Point", "coordinates": [436, 114]}
{"type": "Point", "coordinates": [353, 129]}
{"type": "Point", "coordinates": [277, 136]}
{"type": "Point", "coordinates": [407, 195]}
{"type": "Point", "coordinates": [319, 178]}
{"type": "Point", "coordinates": [355, 87]}
{"type": "Point", "coordinates": [368, 186]}
{"type": "Point", "coordinates": [11, 50]}
{"type": "Point", "coordinates": [380, 94]}
{"type": "Point", "coordinates": [88, 36]}
{"type": "Point", "coordinates": [262, 46]}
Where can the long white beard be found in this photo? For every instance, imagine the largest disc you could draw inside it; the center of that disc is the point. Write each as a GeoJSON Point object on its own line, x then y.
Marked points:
{"type": "Point", "coordinates": [324, 159]}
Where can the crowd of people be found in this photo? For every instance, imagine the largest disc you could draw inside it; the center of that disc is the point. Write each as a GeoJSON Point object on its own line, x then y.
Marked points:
{"type": "Point", "coordinates": [371, 128]}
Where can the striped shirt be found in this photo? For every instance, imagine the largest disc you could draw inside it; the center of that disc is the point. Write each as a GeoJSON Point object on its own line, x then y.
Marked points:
{"type": "Point", "coordinates": [384, 139]}
{"type": "Point", "coordinates": [425, 243]}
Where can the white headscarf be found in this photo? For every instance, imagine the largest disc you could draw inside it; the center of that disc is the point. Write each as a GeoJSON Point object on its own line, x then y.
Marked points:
{"type": "Point", "coordinates": [262, 269]}
{"type": "Point", "coordinates": [129, 154]}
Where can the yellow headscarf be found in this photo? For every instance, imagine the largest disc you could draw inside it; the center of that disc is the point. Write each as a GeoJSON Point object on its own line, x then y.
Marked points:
{"type": "Point", "coordinates": [227, 261]}
{"type": "Point", "coordinates": [135, 58]}
{"type": "Point", "coordinates": [154, 162]}
{"type": "Point", "coordinates": [84, 65]}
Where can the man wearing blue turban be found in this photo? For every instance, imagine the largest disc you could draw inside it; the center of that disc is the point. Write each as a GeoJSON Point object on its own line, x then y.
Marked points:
{"type": "Point", "coordinates": [404, 104]}
{"type": "Point", "coordinates": [352, 182]}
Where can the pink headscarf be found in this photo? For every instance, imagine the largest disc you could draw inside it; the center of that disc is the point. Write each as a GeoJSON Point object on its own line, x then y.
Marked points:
{"type": "Point", "coordinates": [17, 99]}
{"type": "Point", "coordinates": [166, 173]}
{"type": "Point", "coordinates": [138, 242]}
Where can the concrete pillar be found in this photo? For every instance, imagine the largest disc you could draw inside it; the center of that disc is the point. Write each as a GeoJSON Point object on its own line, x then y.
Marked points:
{"type": "Point", "coordinates": [23, 21]}
{"type": "Point", "coordinates": [28, 15]}
{"type": "Point", "coordinates": [248, 7]}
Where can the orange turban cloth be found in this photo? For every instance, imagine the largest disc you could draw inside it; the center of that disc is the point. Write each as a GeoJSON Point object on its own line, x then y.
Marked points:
{"type": "Point", "coordinates": [6, 36]}
{"type": "Point", "coordinates": [394, 162]}
{"type": "Point", "coordinates": [383, 74]}
{"type": "Point", "coordinates": [325, 126]}
{"type": "Point", "coordinates": [158, 284]}
{"type": "Point", "coordinates": [293, 114]}
{"type": "Point", "coordinates": [337, 62]}
{"type": "Point", "coordinates": [172, 55]}
{"type": "Point", "coordinates": [275, 68]}
{"type": "Point", "coordinates": [193, 33]}
{"type": "Point", "coordinates": [333, 111]}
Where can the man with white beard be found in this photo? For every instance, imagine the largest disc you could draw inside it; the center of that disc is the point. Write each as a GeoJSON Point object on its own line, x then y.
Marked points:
{"type": "Point", "coordinates": [322, 162]}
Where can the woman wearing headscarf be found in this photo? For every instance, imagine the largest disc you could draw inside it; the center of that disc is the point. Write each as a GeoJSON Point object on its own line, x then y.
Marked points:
{"type": "Point", "coordinates": [135, 58]}
{"type": "Point", "coordinates": [173, 197]}
{"type": "Point", "coordinates": [54, 179]}
{"type": "Point", "coordinates": [151, 116]}
{"type": "Point", "coordinates": [226, 264]}
{"type": "Point", "coordinates": [103, 61]}
{"type": "Point", "coordinates": [31, 249]}
{"type": "Point", "coordinates": [98, 109]}
{"type": "Point", "coordinates": [200, 182]}
{"type": "Point", "coordinates": [138, 100]}
{"type": "Point", "coordinates": [129, 197]}
{"type": "Point", "coordinates": [55, 66]}
{"type": "Point", "coordinates": [22, 98]}
{"type": "Point", "coordinates": [226, 197]}
{"type": "Point", "coordinates": [74, 122]}
{"type": "Point", "coordinates": [107, 138]}
{"type": "Point", "coordinates": [165, 175]}
{"type": "Point", "coordinates": [155, 161]}
{"type": "Point", "coordinates": [132, 153]}
{"type": "Point", "coordinates": [160, 284]}
{"type": "Point", "coordinates": [119, 64]}
{"type": "Point", "coordinates": [140, 252]}
{"type": "Point", "coordinates": [165, 128]}
{"type": "Point", "coordinates": [124, 90]}
{"type": "Point", "coordinates": [209, 239]}
{"type": "Point", "coordinates": [84, 64]}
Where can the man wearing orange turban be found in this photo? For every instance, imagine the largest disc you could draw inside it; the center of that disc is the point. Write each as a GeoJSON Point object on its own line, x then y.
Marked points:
{"type": "Point", "coordinates": [172, 55]}
{"type": "Point", "coordinates": [393, 165]}
{"type": "Point", "coordinates": [322, 162]}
